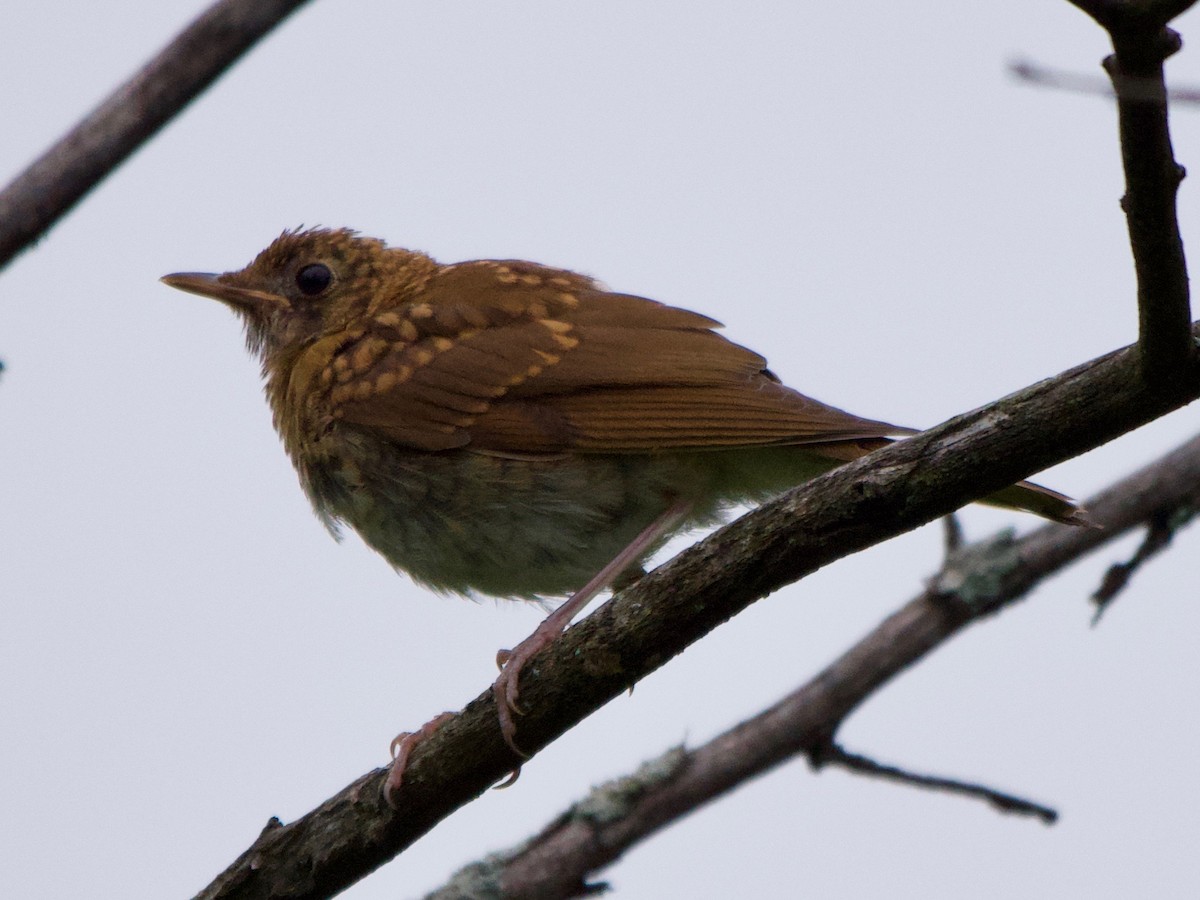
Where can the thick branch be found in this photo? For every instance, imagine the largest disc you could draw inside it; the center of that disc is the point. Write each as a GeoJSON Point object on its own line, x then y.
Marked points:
{"type": "Point", "coordinates": [130, 116]}
{"type": "Point", "coordinates": [558, 861]}
{"type": "Point", "coordinates": [882, 495]}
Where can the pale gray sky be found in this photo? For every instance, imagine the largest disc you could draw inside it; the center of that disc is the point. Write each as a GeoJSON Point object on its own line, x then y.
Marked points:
{"type": "Point", "coordinates": [857, 190]}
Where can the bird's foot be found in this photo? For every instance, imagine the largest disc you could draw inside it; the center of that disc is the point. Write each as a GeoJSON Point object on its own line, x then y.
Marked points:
{"type": "Point", "coordinates": [506, 689]}
{"type": "Point", "coordinates": [402, 747]}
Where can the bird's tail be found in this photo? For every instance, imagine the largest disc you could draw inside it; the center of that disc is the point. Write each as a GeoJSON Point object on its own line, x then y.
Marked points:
{"type": "Point", "coordinates": [1024, 495]}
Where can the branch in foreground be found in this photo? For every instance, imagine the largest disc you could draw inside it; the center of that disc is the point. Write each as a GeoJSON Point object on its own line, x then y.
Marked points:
{"type": "Point", "coordinates": [853, 507]}
{"type": "Point", "coordinates": [130, 116]}
{"type": "Point", "coordinates": [594, 833]}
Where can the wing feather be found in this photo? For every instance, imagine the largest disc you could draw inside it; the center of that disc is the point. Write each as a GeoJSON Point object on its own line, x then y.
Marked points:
{"type": "Point", "coordinates": [505, 357]}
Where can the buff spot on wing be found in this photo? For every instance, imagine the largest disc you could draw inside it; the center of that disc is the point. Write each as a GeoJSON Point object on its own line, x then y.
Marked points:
{"type": "Point", "coordinates": [386, 381]}
{"type": "Point", "coordinates": [420, 356]}
{"type": "Point", "coordinates": [560, 333]}
{"type": "Point", "coordinates": [522, 377]}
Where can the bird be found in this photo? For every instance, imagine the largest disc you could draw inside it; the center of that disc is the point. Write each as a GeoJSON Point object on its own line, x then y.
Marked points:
{"type": "Point", "coordinates": [499, 427]}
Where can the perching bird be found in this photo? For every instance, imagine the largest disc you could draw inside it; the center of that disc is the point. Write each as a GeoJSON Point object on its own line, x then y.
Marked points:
{"type": "Point", "coordinates": [501, 427]}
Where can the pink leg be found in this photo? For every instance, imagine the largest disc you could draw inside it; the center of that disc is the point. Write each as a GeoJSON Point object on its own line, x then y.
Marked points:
{"type": "Point", "coordinates": [402, 746]}
{"type": "Point", "coordinates": [511, 662]}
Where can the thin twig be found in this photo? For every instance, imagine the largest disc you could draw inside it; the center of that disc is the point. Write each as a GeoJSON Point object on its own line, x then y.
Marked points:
{"type": "Point", "coordinates": [1078, 83]}
{"type": "Point", "coordinates": [952, 534]}
{"type": "Point", "coordinates": [833, 754]}
{"type": "Point", "coordinates": [1160, 530]}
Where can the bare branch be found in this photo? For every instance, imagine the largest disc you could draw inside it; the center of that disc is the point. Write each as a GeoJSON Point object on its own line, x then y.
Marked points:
{"type": "Point", "coordinates": [1160, 530]}
{"type": "Point", "coordinates": [953, 538]}
{"type": "Point", "coordinates": [1064, 80]}
{"type": "Point", "coordinates": [130, 116]}
{"type": "Point", "coordinates": [833, 754]}
{"type": "Point", "coordinates": [1142, 43]}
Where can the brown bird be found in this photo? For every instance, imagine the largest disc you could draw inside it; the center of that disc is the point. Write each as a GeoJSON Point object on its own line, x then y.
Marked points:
{"type": "Point", "coordinates": [500, 427]}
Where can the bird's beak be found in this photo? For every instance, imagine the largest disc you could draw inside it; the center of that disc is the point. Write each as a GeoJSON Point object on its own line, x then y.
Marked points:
{"type": "Point", "coordinates": [208, 285]}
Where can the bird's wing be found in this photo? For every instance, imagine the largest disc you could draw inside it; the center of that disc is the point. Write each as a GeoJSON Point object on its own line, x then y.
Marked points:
{"type": "Point", "coordinates": [507, 357]}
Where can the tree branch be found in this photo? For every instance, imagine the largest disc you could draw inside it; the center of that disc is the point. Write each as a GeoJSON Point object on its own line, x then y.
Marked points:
{"type": "Point", "coordinates": [130, 116]}
{"type": "Point", "coordinates": [1063, 80]}
{"type": "Point", "coordinates": [1127, 16]}
{"type": "Point", "coordinates": [1152, 176]}
{"type": "Point", "coordinates": [835, 755]}
{"type": "Point", "coordinates": [595, 832]}
{"type": "Point", "coordinates": [1160, 531]}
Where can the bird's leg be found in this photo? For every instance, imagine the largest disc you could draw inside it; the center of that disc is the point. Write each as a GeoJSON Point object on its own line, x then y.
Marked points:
{"type": "Point", "coordinates": [511, 662]}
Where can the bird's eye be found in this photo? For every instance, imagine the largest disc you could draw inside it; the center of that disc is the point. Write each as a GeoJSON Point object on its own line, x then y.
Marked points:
{"type": "Point", "coordinates": [314, 279]}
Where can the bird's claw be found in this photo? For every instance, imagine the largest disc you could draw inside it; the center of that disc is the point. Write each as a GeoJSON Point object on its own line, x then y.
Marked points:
{"type": "Point", "coordinates": [401, 748]}
{"type": "Point", "coordinates": [505, 693]}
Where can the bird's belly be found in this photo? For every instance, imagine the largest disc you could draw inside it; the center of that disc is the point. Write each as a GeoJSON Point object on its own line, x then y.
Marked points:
{"type": "Point", "coordinates": [478, 524]}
